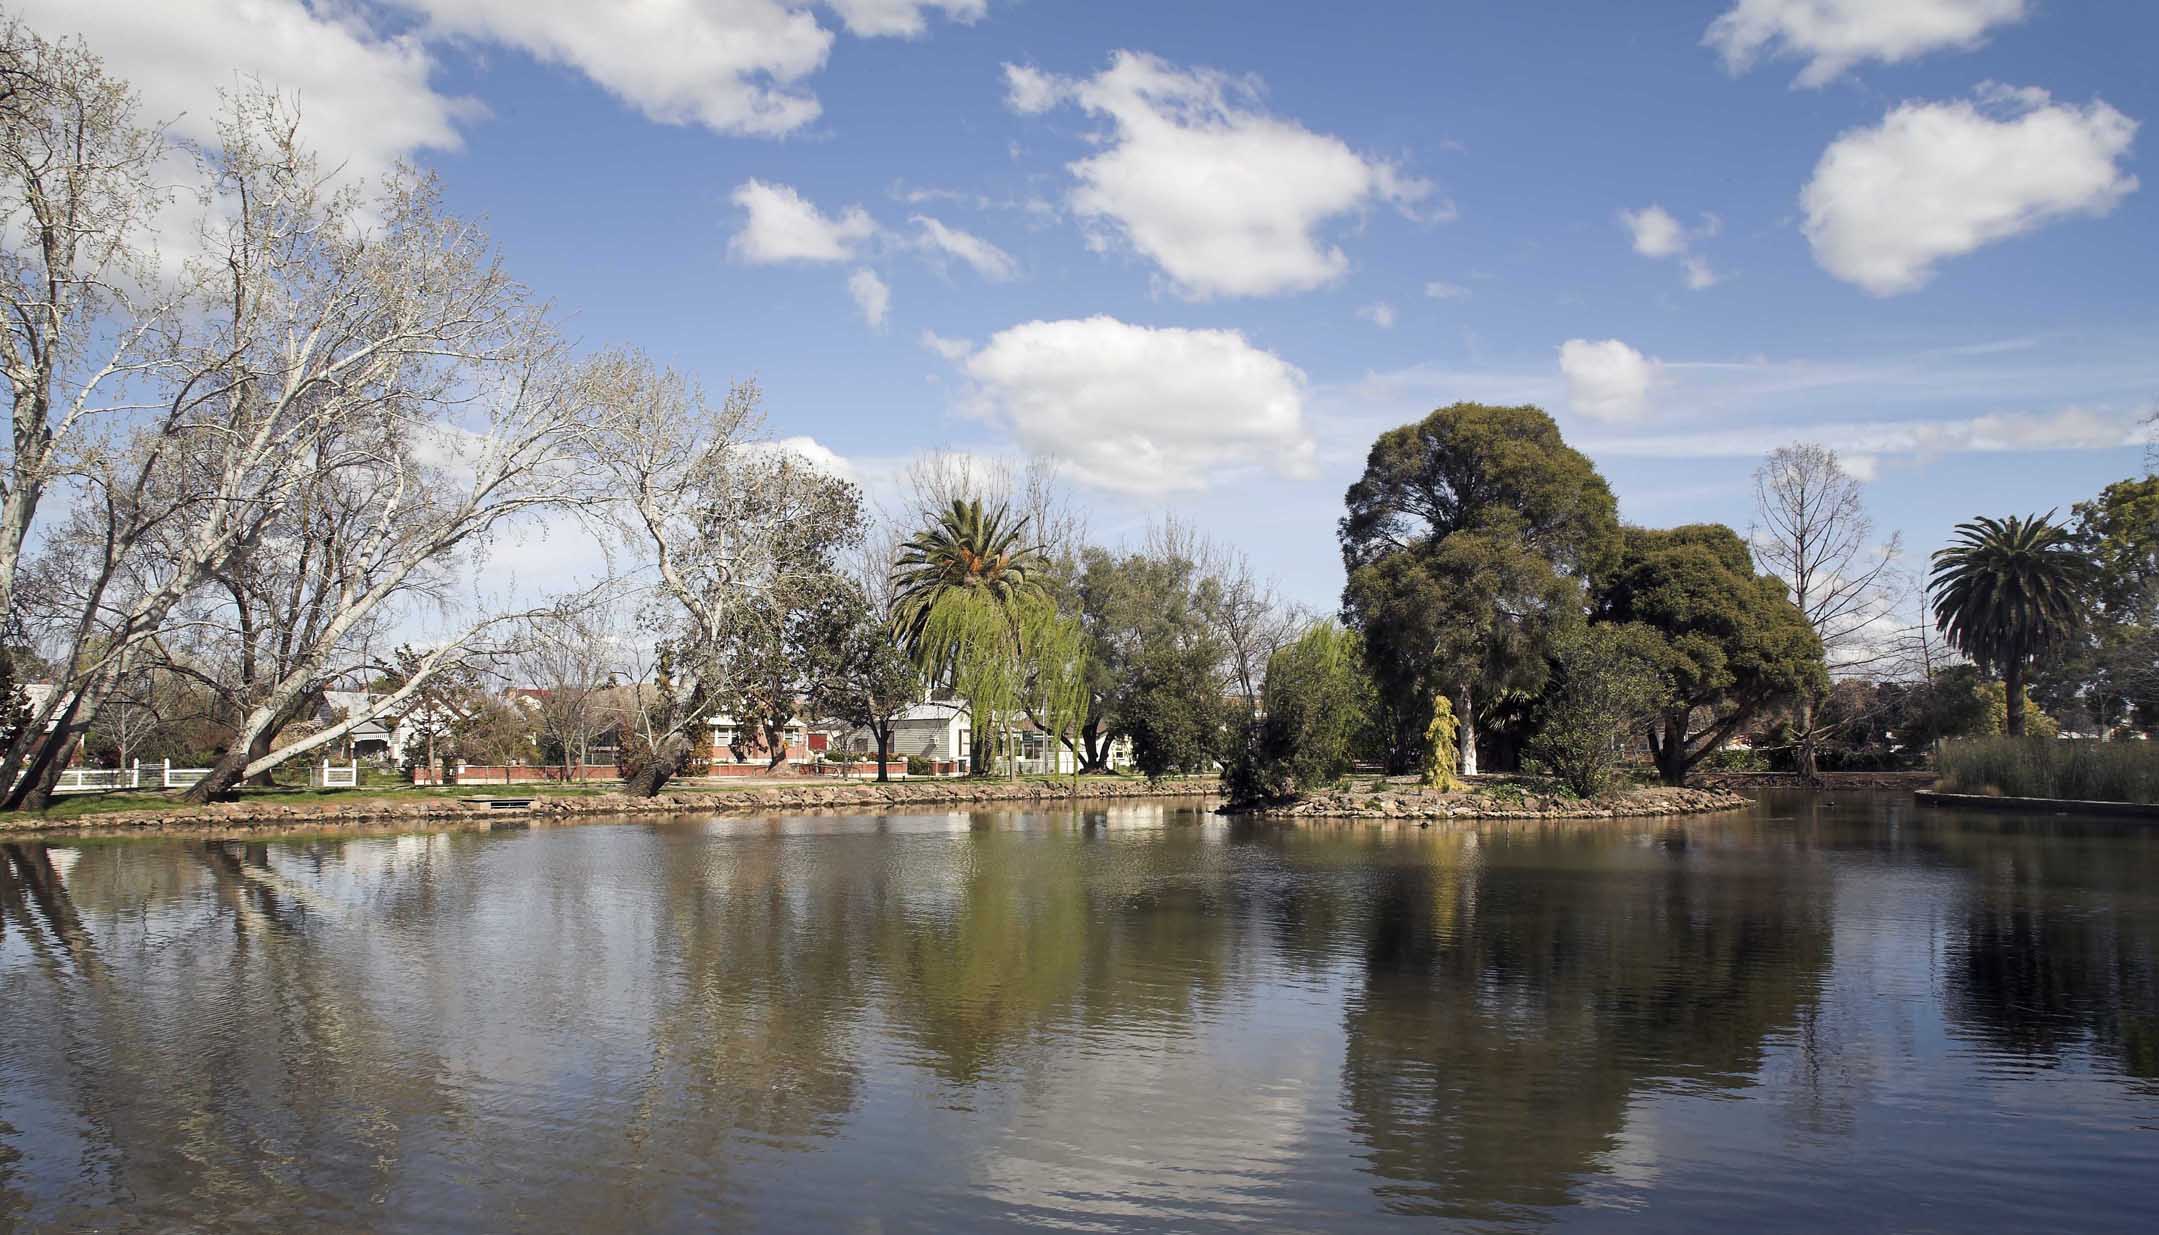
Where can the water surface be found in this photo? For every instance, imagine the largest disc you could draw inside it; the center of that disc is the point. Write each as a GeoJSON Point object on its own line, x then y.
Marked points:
{"type": "Point", "coordinates": [1838, 1013]}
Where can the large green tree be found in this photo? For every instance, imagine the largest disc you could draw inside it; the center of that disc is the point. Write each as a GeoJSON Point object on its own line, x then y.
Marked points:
{"type": "Point", "coordinates": [2109, 671]}
{"type": "Point", "coordinates": [2007, 591]}
{"type": "Point", "coordinates": [1730, 642]}
{"type": "Point", "coordinates": [1469, 542]}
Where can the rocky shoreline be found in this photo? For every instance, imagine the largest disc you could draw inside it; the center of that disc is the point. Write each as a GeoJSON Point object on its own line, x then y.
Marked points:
{"type": "Point", "coordinates": [257, 815]}
{"type": "Point", "coordinates": [1404, 805]}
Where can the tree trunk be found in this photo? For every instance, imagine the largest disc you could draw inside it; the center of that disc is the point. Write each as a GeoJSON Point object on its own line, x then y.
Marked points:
{"type": "Point", "coordinates": [1671, 752]}
{"type": "Point", "coordinates": [666, 758]}
{"type": "Point", "coordinates": [224, 774]}
{"type": "Point", "coordinates": [1465, 721]}
{"type": "Point", "coordinates": [1809, 764]}
{"type": "Point", "coordinates": [256, 749]}
{"type": "Point", "coordinates": [884, 750]}
{"type": "Point", "coordinates": [2013, 697]}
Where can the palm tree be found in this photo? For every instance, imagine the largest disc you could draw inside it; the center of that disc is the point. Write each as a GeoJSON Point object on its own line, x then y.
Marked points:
{"type": "Point", "coordinates": [967, 550]}
{"type": "Point", "coordinates": [2008, 590]}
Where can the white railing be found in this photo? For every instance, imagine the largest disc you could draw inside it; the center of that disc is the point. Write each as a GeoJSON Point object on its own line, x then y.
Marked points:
{"type": "Point", "coordinates": [335, 777]}
{"type": "Point", "coordinates": [99, 780]}
{"type": "Point", "coordinates": [181, 778]}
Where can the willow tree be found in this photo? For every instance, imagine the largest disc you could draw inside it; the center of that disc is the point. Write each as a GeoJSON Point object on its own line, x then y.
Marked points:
{"type": "Point", "coordinates": [966, 594]}
{"type": "Point", "coordinates": [1007, 661]}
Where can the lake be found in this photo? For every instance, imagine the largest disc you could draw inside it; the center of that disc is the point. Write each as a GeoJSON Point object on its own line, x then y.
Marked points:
{"type": "Point", "coordinates": [1838, 1012]}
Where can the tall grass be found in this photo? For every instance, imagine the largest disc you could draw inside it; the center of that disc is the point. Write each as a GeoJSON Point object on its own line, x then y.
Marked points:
{"type": "Point", "coordinates": [2052, 768]}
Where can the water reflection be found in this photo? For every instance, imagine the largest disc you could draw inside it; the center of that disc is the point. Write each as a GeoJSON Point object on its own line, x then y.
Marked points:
{"type": "Point", "coordinates": [1103, 1019]}
{"type": "Point", "coordinates": [1518, 996]}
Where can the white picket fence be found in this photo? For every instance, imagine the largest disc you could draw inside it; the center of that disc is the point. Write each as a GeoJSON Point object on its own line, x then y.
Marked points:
{"type": "Point", "coordinates": [105, 780]}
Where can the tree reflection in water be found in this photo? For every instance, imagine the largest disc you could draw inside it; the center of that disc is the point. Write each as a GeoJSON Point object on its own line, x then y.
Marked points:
{"type": "Point", "coordinates": [2056, 950]}
{"type": "Point", "coordinates": [952, 1022]}
{"type": "Point", "coordinates": [1519, 994]}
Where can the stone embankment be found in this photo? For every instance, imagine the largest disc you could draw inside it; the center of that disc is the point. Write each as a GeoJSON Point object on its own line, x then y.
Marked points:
{"type": "Point", "coordinates": [257, 814]}
{"type": "Point", "coordinates": [1828, 780]}
{"type": "Point", "coordinates": [1409, 805]}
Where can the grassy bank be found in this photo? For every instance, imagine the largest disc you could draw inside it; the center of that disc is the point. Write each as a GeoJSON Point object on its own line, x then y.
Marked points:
{"type": "Point", "coordinates": [2087, 771]}
{"type": "Point", "coordinates": [78, 806]}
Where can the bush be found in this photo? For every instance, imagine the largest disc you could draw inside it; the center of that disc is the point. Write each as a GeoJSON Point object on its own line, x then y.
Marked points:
{"type": "Point", "coordinates": [2032, 767]}
{"type": "Point", "coordinates": [1315, 702]}
{"type": "Point", "coordinates": [1604, 686]}
{"type": "Point", "coordinates": [919, 765]}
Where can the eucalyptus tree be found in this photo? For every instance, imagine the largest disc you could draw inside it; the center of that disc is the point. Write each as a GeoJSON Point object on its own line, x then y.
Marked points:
{"type": "Point", "coordinates": [738, 535]}
{"type": "Point", "coordinates": [1470, 541]}
{"type": "Point", "coordinates": [2007, 591]}
{"type": "Point", "coordinates": [1728, 643]}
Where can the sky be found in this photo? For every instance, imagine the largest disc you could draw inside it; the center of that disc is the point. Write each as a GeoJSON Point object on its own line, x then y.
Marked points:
{"type": "Point", "coordinates": [1202, 253]}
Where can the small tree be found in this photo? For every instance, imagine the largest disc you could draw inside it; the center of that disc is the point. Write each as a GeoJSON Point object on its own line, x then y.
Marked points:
{"type": "Point", "coordinates": [860, 673]}
{"type": "Point", "coordinates": [1605, 685]}
{"type": "Point", "coordinates": [1317, 701]}
{"type": "Point", "coordinates": [1439, 746]}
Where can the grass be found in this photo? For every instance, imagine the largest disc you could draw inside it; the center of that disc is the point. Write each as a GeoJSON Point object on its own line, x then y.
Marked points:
{"type": "Point", "coordinates": [2080, 770]}
{"type": "Point", "coordinates": [76, 805]}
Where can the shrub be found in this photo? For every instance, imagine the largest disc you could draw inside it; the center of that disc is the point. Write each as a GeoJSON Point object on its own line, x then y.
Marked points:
{"type": "Point", "coordinates": [1316, 701]}
{"type": "Point", "coordinates": [1604, 686]}
{"type": "Point", "coordinates": [919, 765]}
{"type": "Point", "coordinates": [2032, 767]}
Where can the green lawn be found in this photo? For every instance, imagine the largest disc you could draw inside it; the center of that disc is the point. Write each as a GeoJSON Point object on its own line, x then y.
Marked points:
{"type": "Point", "coordinates": [76, 805]}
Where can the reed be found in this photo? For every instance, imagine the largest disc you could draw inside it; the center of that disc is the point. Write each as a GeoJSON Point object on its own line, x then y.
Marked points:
{"type": "Point", "coordinates": [2083, 770]}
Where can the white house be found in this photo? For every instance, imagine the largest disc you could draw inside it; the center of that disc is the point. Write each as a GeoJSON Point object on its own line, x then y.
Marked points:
{"type": "Point", "coordinates": [937, 730]}
{"type": "Point", "coordinates": [941, 731]}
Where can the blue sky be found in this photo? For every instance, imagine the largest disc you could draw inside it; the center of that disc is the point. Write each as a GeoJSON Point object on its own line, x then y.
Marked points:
{"type": "Point", "coordinates": [1205, 252]}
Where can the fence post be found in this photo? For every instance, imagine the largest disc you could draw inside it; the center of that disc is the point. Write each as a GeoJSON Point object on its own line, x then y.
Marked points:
{"type": "Point", "coordinates": [166, 781]}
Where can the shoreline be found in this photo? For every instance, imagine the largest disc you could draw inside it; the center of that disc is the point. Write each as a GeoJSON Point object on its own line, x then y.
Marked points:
{"type": "Point", "coordinates": [2046, 806]}
{"type": "Point", "coordinates": [380, 813]}
{"type": "Point", "coordinates": [1407, 807]}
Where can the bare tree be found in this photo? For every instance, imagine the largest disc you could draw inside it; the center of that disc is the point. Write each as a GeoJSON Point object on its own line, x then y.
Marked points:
{"type": "Point", "coordinates": [573, 660]}
{"type": "Point", "coordinates": [1815, 534]}
{"type": "Point", "coordinates": [77, 195]}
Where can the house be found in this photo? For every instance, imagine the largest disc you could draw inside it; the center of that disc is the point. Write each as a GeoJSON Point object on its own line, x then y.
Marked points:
{"type": "Point", "coordinates": [941, 731]}
{"type": "Point", "coordinates": [732, 744]}
{"type": "Point", "coordinates": [937, 730]}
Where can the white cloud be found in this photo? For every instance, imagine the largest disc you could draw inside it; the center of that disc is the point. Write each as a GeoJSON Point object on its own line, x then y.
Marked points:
{"type": "Point", "coordinates": [1141, 410]}
{"type": "Point", "coordinates": [954, 350]}
{"type": "Point", "coordinates": [1658, 235]}
{"type": "Point", "coordinates": [733, 66]}
{"type": "Point", "coordinates": [871, 296]}
{"type": "Point", "coordinates": [814, 453]}
{"type": "Point", "coordinates": [365, 100]}
{"type": "Point", "coordinates": [988, 260]}
{"type": "Point", "coordinates": [1656, 232]}
{"type": "Point", "coordinates": [1833, 35]}
{"type": "Point", "coordinates": [1607, 380]}
{"type": "Point", "coordinates": [1440, 290]}
{"type": "Point", "coordinates": [903, 18]}
{"type": "Point", "coordinates": [1937, 180]}
{"type": "Point", "coordinates": [781, 226]}
{"type": "Point", "coordinates": [1225, 198]}
{"type": "Point", "coordinates": [1030, 91]}
{"type": "Point", "coordinates": [2068, 428]}
{"type": "Point", "coordinates": [1380, 314]}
